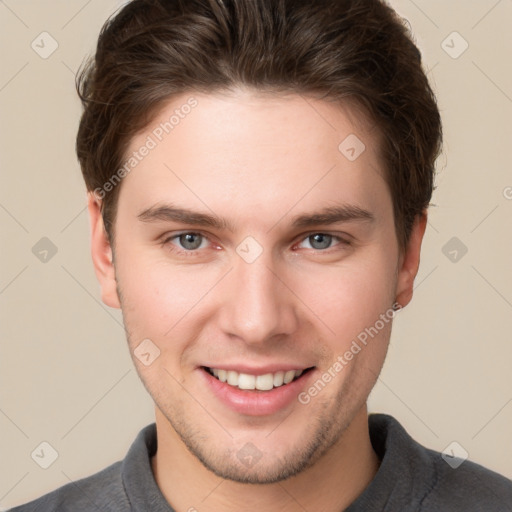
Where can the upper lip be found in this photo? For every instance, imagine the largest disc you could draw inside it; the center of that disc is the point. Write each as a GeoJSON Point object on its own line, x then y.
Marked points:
{"type": "Point", "coordinates": [258, 370]}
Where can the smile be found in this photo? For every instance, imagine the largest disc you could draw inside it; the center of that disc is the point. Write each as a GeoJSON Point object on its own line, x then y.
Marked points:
{"type": "Point", "coordinates": [264, 382]}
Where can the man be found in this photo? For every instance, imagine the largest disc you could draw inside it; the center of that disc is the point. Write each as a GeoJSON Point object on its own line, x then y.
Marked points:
{"type": "Point", "coordinates": [259, 173]}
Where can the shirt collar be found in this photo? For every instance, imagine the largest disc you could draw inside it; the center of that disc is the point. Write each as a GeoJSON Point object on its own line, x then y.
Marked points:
{"type": "Point", "coordinates": [406, 472]}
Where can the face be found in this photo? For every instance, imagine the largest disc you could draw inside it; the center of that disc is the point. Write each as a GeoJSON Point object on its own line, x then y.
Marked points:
{"type": "Point", "coordinates": [249, 247]}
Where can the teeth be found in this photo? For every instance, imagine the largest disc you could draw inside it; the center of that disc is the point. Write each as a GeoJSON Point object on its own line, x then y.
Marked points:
{"type": "Point", "coordinates": [278, 379]}
{"type": "Point", "coordinates": [265, 382]}
{"type": "Point", "coordinates": [288, 376]}
{"type": "Point", "coordinates": [246, 381]}
{"type": "Point", "coordinates": [261, 382]}
{"type": "Point", "coordinates": [232, 378]}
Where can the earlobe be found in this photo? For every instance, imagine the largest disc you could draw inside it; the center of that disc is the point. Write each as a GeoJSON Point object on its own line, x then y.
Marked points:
{"type": "Point", "coordinates": [101, 253]}
{"type": "Point", "coordinates": [410, 261]}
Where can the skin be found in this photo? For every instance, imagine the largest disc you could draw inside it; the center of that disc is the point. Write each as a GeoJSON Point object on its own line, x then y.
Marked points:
{"type": "Point", "coordinates": [257, 161]}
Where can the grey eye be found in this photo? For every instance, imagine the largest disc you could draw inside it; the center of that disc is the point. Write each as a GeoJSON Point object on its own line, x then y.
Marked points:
{"type": "Point", "coordinates": [320, 241]}
{"type": "Point", "coordinates": [190, 241]}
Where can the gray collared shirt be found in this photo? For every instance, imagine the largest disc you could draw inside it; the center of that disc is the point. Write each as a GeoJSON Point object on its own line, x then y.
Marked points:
{"type": "Point", "coordinates": [411, 478]}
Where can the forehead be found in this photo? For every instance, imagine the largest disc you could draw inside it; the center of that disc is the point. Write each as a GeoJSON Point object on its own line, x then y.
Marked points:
{"type": "Point", "coordinates": [251, 150]}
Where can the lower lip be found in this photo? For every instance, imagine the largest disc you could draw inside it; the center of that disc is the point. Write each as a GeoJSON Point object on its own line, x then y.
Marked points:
{"type": "Point", "coordinates": [254, 402]}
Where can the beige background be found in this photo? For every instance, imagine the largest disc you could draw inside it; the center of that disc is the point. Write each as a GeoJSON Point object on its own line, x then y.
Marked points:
{"type": "Point", "coordinates": [66, 376]}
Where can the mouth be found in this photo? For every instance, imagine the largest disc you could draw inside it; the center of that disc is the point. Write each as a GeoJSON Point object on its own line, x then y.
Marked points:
{"type": "Point", "coordinates": [249, 382]}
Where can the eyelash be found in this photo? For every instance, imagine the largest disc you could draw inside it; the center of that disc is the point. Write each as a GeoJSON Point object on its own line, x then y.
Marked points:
{"type": "Point", "coordinates": [195, 252]}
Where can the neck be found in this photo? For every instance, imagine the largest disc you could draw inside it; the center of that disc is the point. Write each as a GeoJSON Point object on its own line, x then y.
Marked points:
{"type": "Point", "coordinates": [332, 483]}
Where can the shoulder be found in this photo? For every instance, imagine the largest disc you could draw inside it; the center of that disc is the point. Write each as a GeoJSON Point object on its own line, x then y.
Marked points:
{"type": "Point", "coordinates": [428, 480]}
{"type": "Point", "coordinates": [101, 491]}
{"type": "Point", "coordinates": [467, 487]}
{"type": "Point", "coordinates": [119, 487]}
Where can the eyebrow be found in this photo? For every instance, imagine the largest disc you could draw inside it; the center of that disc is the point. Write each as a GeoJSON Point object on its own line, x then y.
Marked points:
{"type": "Point", "coordinates": [325, 216]}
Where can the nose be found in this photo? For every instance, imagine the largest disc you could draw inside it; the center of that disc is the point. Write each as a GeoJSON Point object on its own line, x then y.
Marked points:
{"type": "Point", "coordinates": [258, 304]}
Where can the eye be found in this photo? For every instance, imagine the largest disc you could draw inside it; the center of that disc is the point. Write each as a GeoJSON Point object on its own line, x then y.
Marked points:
{"type": "Point", "coordinates": [322, 241]}
{"type": "Point", "coordinates": [189, 241]}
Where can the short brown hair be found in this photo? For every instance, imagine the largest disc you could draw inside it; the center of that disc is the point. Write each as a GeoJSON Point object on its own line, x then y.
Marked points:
{"type": "Point", "coordinates": [342, 50]}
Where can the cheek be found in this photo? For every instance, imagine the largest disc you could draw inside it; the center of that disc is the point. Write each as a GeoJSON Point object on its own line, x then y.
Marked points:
{"type": "Point", "coordinates": [163, 302]}
{"type": "Point", "coordinates": [350, 298]}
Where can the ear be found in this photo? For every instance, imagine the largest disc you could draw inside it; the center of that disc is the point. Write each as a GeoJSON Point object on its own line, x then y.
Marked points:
{"type": "Point", "coordinates": [409, 261]}
{"type": "Point", "coordinates": [101, 253]}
